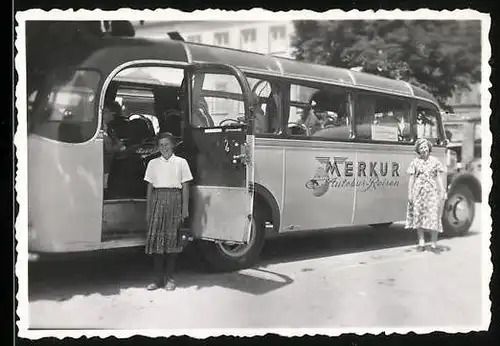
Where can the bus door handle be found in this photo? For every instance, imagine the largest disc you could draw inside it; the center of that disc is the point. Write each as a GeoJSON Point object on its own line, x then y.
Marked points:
{"type": "Point", "coordinates": [242, 156]}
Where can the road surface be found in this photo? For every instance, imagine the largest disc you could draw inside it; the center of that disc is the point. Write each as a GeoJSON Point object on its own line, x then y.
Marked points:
{"type": "Point", "coordinates": [362, 278]}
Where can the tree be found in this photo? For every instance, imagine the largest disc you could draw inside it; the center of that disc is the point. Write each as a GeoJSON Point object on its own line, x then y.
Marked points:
{"type": "Point", "coordinates": [439, 56]}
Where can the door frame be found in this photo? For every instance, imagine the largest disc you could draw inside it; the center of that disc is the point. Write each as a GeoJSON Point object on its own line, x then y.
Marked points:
{"type": "Point", "coordinates": [249, 108]}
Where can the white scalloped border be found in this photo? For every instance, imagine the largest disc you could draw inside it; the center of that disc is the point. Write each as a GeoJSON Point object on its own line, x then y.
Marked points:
{"type": "Point", "coordinates": [256, 14]}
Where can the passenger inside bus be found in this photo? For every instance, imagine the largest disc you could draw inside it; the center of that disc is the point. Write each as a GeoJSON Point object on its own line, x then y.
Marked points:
{"type": "Point", "coordinates": [122, 163]}
{"type": "Point", "coordinates": [111, 141]}
{"type": "Point", "coordinates": [201, 115]}
{"type": "Point", "coordinates": [328, 116]}
{"type": "Point", "coordinates": [135, 128]}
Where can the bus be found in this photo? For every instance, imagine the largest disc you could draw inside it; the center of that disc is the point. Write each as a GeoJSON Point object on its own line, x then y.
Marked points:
{"type": "Point", "coordinates": [276, 146]}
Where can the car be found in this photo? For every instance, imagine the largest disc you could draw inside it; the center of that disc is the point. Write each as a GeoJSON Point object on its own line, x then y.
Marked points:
{"type": "Point", "coordinates": [463, 179]}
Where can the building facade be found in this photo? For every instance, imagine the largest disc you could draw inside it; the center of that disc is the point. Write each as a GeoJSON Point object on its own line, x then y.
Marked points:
{"type": "Point", "coordinates": [263, 37]}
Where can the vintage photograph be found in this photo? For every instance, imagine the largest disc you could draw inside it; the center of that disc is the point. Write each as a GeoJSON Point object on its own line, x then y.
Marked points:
{"type": "Point", "coordinates": [182, 173]}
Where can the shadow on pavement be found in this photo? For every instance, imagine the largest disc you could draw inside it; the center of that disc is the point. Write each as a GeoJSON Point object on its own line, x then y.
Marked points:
{"type": "Point", "coordinates": [299, 247]}
{"type": "Point", "coordinates": [252, 281]}
{"type": "Point", "coordinates": [108, 273]}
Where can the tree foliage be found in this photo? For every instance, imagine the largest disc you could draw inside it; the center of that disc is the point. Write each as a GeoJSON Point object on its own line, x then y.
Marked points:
{"type": "Point", "coordinates": [439, 56]}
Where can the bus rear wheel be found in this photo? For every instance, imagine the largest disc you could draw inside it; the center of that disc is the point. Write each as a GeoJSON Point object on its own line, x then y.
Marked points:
{"type": "Point", "coordinates": [459, 211]}
{"type": "Point", "coordinates": [221, 256]}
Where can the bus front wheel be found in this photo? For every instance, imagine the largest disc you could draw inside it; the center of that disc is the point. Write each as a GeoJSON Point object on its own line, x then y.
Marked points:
{"type": "Point", "coordinates": [459, 211]}
{"type": "Point", "coordinates": [222, 256]}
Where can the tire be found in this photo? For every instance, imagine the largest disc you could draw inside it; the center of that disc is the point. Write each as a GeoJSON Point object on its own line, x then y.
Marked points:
{"type": "Point", "coordinates": [223, 257]}
{"type": "Point", "coordinates": [381, 225]}
{"type": "Point", "coordinates": [459, 211]}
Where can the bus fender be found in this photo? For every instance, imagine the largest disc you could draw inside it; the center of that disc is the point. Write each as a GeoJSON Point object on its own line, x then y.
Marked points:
{"type": "Point", "coordinates": [265, 200]}
{"type": "Point", "coordinates": [470, 181]}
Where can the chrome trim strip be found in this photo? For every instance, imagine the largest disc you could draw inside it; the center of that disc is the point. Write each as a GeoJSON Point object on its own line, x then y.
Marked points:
{"type": "Point", "coordinates": [408, 85]}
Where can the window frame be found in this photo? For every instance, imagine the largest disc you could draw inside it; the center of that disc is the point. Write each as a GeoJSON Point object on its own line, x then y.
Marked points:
{"type": "Point", "coordinates": [44, 91]}
{"type": "Point", "coordinates": [411, 102]}
{"type": "Point", "coordinates": [441, 140]}
{"type": "Point", "coordinates": [319, 86]}
{"type": "Point", "coordinates": [280, 85]}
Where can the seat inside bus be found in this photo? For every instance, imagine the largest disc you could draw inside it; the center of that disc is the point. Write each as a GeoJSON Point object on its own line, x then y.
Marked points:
{"type": "Point", "coordinates": [137, 131]}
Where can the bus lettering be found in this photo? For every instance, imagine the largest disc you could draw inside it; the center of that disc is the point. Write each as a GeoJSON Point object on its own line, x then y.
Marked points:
{"type": "Point", "coordinates": [373, 172]}
{"type": "Point", "coordinates": [395, 169]}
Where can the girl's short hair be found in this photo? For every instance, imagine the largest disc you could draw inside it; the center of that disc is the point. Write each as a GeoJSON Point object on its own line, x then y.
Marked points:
{"type": "Point", "coordinates": [421, 141]}
{"type": "Point", "coordinates": [166, 135]}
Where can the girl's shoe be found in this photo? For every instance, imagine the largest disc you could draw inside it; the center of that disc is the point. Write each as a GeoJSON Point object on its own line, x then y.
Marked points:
{"type": "Point", "coordinates": [170, 286]}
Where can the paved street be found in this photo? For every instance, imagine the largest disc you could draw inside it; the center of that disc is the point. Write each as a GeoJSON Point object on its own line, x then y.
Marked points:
{"type": "Point", "coordinates": [362, 278]}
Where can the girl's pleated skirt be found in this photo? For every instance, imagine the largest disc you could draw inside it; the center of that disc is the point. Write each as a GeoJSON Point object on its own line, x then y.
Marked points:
{"type": "Point", "coordinates": [164, 219]}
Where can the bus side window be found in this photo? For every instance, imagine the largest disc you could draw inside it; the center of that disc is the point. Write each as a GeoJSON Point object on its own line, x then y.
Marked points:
{"type": "Point", "coordinates": [217, 100]}
{"type": "Point", "coordinates": [383, 118]}
{"type": "Point", "coordinates": [428, 123]}
{"type": "Point", "coordinates": [65, 109]}
{"type": "Point", "coordinates": [268, 107]}
{"type": "Point", "coordinates": [322, 113]}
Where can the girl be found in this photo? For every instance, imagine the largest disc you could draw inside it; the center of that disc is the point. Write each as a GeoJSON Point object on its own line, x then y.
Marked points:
{"type": "Point", "coordinates": [426, 194]}
{"type": "Point", "coordinates": [167, 205]}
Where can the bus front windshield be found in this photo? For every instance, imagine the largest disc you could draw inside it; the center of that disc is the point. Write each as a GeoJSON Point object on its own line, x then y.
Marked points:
{"type": "Point", "coordinates": [64, 109]}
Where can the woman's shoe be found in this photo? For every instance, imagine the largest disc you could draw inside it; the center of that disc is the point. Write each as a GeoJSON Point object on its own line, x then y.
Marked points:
{"type": "Point", "coordinates": [420, 248]}
{"type": "Point", "coordinates": [170, 286]}
{"type": "Point", "coordinates": [436, 250]}
{"type": "Point", "coordinates": [152, 287]}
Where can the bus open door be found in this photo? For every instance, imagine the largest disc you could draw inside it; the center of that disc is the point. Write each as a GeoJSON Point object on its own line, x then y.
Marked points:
{"type": "Point", "coordinates": [219, 142]}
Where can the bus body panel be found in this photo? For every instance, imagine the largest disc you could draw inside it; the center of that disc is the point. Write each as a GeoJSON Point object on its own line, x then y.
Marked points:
{"type": "Point", "coordinates": [65, 194]}
{"type": "Point", "coordinates": [382, 191]}
{"type": "Point", "coordinates": [269, 168]}
{"type": "Point", "coordinates": [311, 201]}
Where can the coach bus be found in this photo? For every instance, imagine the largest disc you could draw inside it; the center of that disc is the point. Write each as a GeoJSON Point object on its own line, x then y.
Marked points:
{"type": "Point", "coordinates": [275, 146]}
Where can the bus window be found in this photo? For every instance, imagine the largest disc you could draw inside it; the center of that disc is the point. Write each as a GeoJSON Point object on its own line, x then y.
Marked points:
{"type": "Point", "coordinates": [66, 111]}
{"type": "Point", "coordinates": [427, 123]}
{"type": "Point", "coordinates": [268, 109]}
{"type": "Point", "coordinates": [219, 102]}
{"type": "Point", "coordinates": [319, 113]}
{"type": "Point", "coordinates": [151, 94]}
{"type": "Point", "coordinates": [383, 118]}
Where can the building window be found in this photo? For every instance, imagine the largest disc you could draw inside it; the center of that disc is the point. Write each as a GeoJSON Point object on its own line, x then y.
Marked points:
{"type": "Point", "coordinates": [249, 39]}
{"type": "Point", "coordinates": [194, 38]}
{"type": "Point", "coordinates": [278, 32]}
{"type": "Point", "coordinates": [221, 39]}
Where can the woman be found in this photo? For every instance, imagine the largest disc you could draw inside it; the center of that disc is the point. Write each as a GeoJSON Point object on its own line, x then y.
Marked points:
{"type": "Point", "coordinates": [426, 193]}
{"type": "Point", "coordinates": [167, 205]}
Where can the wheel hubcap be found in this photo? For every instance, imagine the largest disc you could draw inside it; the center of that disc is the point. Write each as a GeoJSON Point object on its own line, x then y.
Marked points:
{"type": "Point", "coordinates": [458, 211]}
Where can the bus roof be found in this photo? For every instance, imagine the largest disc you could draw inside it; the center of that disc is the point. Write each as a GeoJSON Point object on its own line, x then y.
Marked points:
{"type": "Point", "coordinates": [111, 52]}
